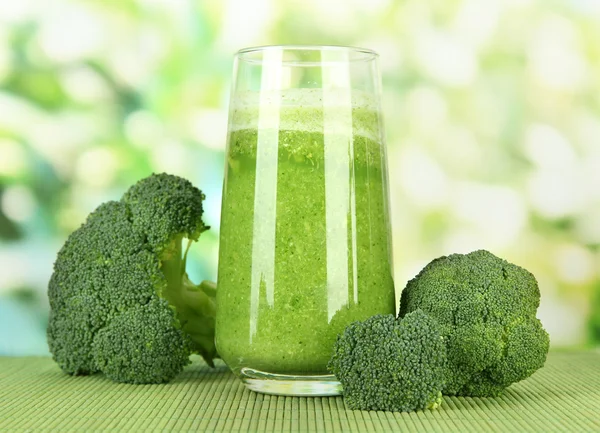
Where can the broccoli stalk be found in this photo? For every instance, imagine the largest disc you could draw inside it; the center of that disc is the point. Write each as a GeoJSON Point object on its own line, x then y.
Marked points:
{"type": "Point", "coordinates": [194, 304]}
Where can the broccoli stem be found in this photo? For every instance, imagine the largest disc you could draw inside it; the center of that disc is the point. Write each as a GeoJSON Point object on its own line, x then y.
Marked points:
{"type": "Point", "coordinates": [195, 304]}
{"type": "Point", "coordinates": [173, 268]}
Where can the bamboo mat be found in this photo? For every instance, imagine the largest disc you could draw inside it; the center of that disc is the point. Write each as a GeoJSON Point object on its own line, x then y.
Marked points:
{"type": "Point", "coordinates": [36, 396]}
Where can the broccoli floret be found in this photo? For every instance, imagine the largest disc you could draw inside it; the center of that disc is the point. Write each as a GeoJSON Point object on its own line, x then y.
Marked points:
{"type": "Point", "coordinates": [487, 311]}
{"type": "Point", "coordinates": [384, 363]}
{"type": "Point", "coordinates": [152, 328]}
{"type": "Point", "coordinates": [121, 302]}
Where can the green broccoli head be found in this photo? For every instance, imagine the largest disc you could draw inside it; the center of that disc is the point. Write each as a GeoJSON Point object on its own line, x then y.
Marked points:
{"type": "Point", "coordinates": [487, 311]}
{"type": "Point", "coordinates": [163, 206]}
{"type": "Point", "coordinates": [384, 363]}
{"type": "Point", "coordinates": [123, 270]}
{"type": "Point", "coordinates": [161, 347]}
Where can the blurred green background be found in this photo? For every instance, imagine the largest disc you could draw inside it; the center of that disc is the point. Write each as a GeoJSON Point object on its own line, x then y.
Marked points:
{"type": "Point", "coordinates": [492, 112]}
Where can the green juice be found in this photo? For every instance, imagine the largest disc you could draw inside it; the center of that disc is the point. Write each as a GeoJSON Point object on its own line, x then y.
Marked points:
{"type": "Point", "coordinates": [304, 246]}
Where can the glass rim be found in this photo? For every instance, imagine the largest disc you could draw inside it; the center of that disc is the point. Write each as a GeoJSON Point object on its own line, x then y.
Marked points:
{"type": "Point", "coordinates": [355, 54]}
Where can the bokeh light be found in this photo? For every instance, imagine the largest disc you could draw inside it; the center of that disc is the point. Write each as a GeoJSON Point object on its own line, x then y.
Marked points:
{"type": "Point", "coordinates": [491, 109]}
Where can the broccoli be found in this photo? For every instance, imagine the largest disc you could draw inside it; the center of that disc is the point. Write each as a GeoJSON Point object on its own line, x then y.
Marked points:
{"type": "Point", "coordinates": [384, 363]}
{"type": "Point", "coordinates": [121, 301]}
{"type": "Point", "coordinates": [487, 311]}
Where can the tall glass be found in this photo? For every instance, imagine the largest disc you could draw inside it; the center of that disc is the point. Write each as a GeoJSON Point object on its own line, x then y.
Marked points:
{"type": "Point", "coordinates": [305, 244]}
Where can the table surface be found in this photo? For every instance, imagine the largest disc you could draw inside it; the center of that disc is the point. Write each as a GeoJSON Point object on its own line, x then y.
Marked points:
{"type": "Point", "coordinates": [36, 395]}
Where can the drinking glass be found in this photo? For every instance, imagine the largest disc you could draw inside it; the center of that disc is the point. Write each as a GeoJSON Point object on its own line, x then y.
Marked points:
{"type": "Point", "coordinates": [305, 245]}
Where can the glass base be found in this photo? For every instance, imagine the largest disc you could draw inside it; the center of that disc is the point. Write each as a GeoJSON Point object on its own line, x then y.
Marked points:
{"type": "Point", "coordinates": [284, 384]}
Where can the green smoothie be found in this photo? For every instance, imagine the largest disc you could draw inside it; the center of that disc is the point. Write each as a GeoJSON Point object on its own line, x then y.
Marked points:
{"type": "Point", "coordinates": [304, 246]}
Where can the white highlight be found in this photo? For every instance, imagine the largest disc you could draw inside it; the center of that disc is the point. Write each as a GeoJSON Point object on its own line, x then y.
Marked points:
{"type": "Point", "coordinates": [13, 160]}
{"type": "Point", "coordinates": [339, 193]}
{"type": "Point", "coordinates": [265, 192]}
{"type": "Point", "coordinates": [575, 264]}
{"type": "Point", "coordinates": [18, 203]}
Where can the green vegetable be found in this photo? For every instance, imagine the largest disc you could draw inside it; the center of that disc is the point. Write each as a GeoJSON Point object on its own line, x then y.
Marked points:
{"type": "Point", "coordinates": [384, 363]}
{"type": "Point", "coordinates": [121, 302]}
{"type": "Point", "coordinates": [487, 311]}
